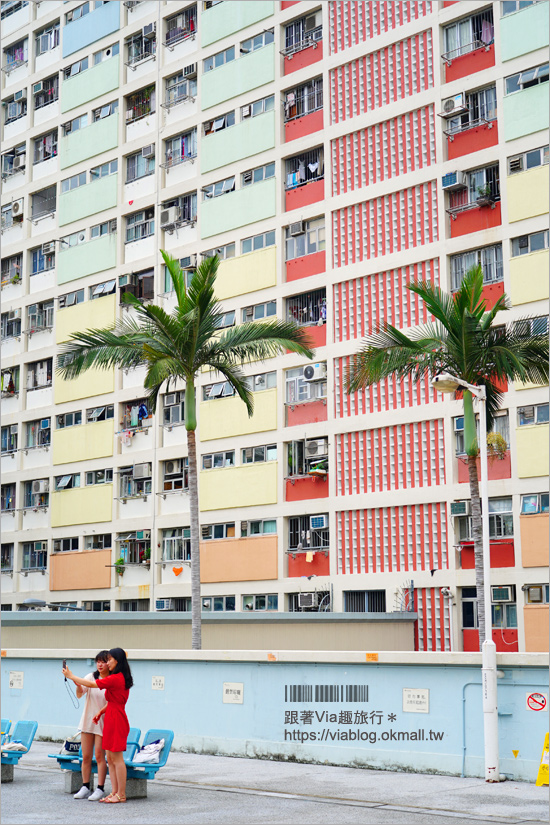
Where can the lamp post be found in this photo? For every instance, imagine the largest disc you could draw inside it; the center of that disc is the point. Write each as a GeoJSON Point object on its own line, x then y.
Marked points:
{"type": "Point", "coordinates": [444, 382]}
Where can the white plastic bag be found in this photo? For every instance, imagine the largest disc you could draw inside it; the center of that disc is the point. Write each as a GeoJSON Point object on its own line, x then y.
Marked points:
{"type": "Point", "coordinates": [149, 753]}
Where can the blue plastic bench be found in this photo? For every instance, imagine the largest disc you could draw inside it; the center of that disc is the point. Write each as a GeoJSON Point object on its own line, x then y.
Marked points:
{"type": "Point", "coordinates": [139, 772]}
{"type": "Point", "coordinates": [6, 725]}
{"type": "Point", "coordinates": [73, 761]}
{"type": "Point", "coordinates": [23, 732]}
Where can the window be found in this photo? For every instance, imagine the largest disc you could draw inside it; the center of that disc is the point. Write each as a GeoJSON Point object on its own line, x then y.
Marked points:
{"type": "Point", "coordinates": [259, 107]}
{"type": "Point", "coordinates": [138, 167]}
{"type": "Point", "coordinates": [67, 482]}
{"type": "Point", "coordinates": [218, 603]}
{"type": "Point", "coordinates": [39, 374]}
{"type": "Point", "coordinates": [186, 212]}
{"type": "Point", "coordinates": [140, 47]}
{"type": "Point", "coordinates": [75, 68]}
{"type": "Point", "coordinates": [105, 228]}
{"type": "Point", "coordinates": [173, 408]}
{"type": "Point", "coordinates": [106, 110]}
{"type": "Point", "coordinates": [257, 242]}
{"type": "Point", "coordinates": [181, 26]}
{"type": "Point", "coordinates": [226, 319]}
{"type": "Point", "coordinates": [218, 531]}
{"type": "Point", "coordinates": [262, 381]}
{"type": "Point", "coordinates": [364, 601]}
{"type": "Point", "coordinates": [10, 381]}
{"type": "Point", "coordinates": [105, 54]}
{"type": "Point", "coordinates": [179, 88]}
{"type": "Point", "coordinates": [7, 557]}
{"type": "Point", "coordinates": [254, 455]}
{"type": "Point", "coordinates": [536, 593]}
{"type": "Point", "coordinates": [258, 311]}
{"type": "Point", "coordinates": [133, 413]}
{"type": "Point", "coordinates": [11, 269]}
{"type": "Point", "coordinates": [176, 544]}
{"type": "Point", "coordinates": [308, 309]}
{"type": "Point", "coordinates": [7, 498]}
{"type": "Point", "coordinates": [222, 187]}
{"type": "Point", "coordinates": [304, 99]}
{"type": "Point", "coordinates": [99, 477]}
{"type": "Point", "coordinates": [140, 225]}
{"type": "Point", "coordinates": [9, 439]}
{"type": "Point", "coordinates": [9, 8]}
{"type": "Point", "coordinates": [215, 461]}
{"type": "Point", "coordinates": [307, 242]}
{"type": "Point", "coordinates": [75, 124]}
{"type": "Point", "coordinates": [15, 109]}
{"type": "Point", "coordinates": [525, 244]}
{"type": "Point", "coordinates": [134, 605]}
{"type": "Point", "coordinates": [483, 185]}
{"type": "Point", "coordinates": [219, 59]}
{"type": "Point", "coordinates": [221, 389]}
{"type": "Point", "coordinates": [501, 522]}
{"type": "Point", "coordinates": [180, 148]}
{"type": "Point", "coordinates": [40, 316]}
{"type": "Point", "coordinates": [101, 290]}
{"type": "Point", "coordinates": [45, 147]}
{"type": "Point", "coordinates": [41, 262]}
{"type": "Point", "coordinates": [306, 455]}
{"type": "Point", "coordinates": [47, 38]}
{"type": "Point", "coordinates": [223, 252]}
{"type": "Point", "coordinates": [16, 55]}
{"type": "Point", "coordinates": [71, 299]}
{"type": "Point", "coordinates": [300, 391]}
{"type": "Point", "coordinates": [38, 433]}
{"type": "Point", "coordinates": [135, 481]}
{"type": "Point", "coordinates": [13, 161]}
{"type": "Point", "coordinates": [140, 104]}
{"type": "Point", "coordinates": [257, 42]}
{"type": "Point", "coordinates": [304, 168]}
{"type": "Point", "coordinates": [77, 13]}
{"type": "Point", "coordinates": [468, 34]}
{"type": "Point", "coordinates": [72, 419]}
{"type": "Point", "coordinates": [264, 601]}
{"type": "Point", "coordinates": [489, 258]}
{"type": "Point", "coordinates": [44, 202]}
{"type": "Point", "coordinates": [534, 326]}
{"type": "Point", "coordinates": [504, 615]}
{"type": "Point", "coordinates": [11, 325]}
{"type": "Point", "coordinates": [100, 413]}
{"type": "Point", "coordinates": [528, 160]}
{"type": "Point", "coordinates": [73, 182]}
{"type": "Point", "coordinates": [103, 541]}
{"type": "Point", "coordinates": [103, 171]}
{"type": "Point", "coordinates": [526, 79]}
{"type": "Point", "coordinates": [258, 174]}
{"type": "Point", "coordinates": [536, 503]}
{"type": "Point", "coordinates": [500, 425]}
{"type": "Point", "coordinates": [65, 545]}
{"type": "Point", "coordinates": [535, 414]}
{"type": "Point", "coordinates": [35, 555]}
{"type": "Point", "coordinates": [510, 6]}
{"type": "Point", "coordinates": [49, 91]}
{"type": "Point", "coordinates": [37, 493]}
{"type": "Point", "coordinates": [97, 606]}
{"type": "Point", "coordinates": [259, 527]}
{"type": "Point", "coordinates": [303, 32]}
{"type": "Point", "coordinates": [221, 122]}
{"type": "Point", "coordinates": [482, 107]}
{"type": "Point", "coordinates": [304, 533]}
{"type": "Point", "coordinates": [176, 475]}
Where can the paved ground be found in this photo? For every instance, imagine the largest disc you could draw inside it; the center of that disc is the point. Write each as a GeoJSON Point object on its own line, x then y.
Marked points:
{"type": "Point", "coordinates": [208, 790]}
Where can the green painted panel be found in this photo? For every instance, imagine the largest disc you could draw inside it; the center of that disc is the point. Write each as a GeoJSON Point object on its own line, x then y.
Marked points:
{"type": "Point", "coordinates": [525, 31]}
{"type": "Point", "coordinates": [247, 138]}
{"type": "Point", "coordinates": [88, 200]}
{"type": "Point", "coordinates": [239, 208]}
{"type": "Point", "coordinates": [239, 76]}
{"type": "Point", "coordinates": [90, 84]}
{"type": "Point", "coordinates": [526, 112]}
{"type": "Point", "coordinates": [86, 259]}
{"type": "Point", "coordinates": [86, 143]}
{"type": "Point", "coordinates": [226, 18]}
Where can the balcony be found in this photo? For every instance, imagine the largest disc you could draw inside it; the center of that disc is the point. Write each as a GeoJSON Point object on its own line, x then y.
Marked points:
{"type": "Point", "coordinates": [306, 265]}
{"type": "Point", "coordinates": [88, 200]}
{"type": "Point", "coordinates": [222, 20]}
{"type": "Point", "coordinates": [476, 135]}
{"type": "Point", "coordinates": [249, 137]}
{"type": "Point", "coordinates": [305, 53]}
{"type": "Point", "coordinates": [498, 468]}
{"type": "Point", "coordinates": [306, 412]}
{"type": "Point", "coordinates": [80, 571]}
{"type": "Point", "coordinates": [309, 310]}
{"type": "Point", "coordinates": [227, 417]}
{"type": "Point", "coordinates": [238, 77]}
{"type": "Point", "coordinates": [501, 551]}
{"type": "Point", "coordinates": [237, 560]}
{"type": "Point", "coordinates": [90, 84]}
{"type": "Point", "coordinates": [86, 143]}
{"type": "Point", "coordinates": [82, 505]}
{"type": "Point", "coordinates": [467, 60]}
{"type": "Point", "coordinates": [304, 179]}
{"type": "Point", "coordinates": [474, 215]}
{"type": "Point", "coordinates": [309, 546]}
{"type": "Point", "coordinates": [238, 208]}
{"type": "Point", "coordinates": [249, 485]}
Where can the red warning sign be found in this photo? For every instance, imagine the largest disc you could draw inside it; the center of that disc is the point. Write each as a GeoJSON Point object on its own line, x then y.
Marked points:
{"type": "Point", "coordinates": [536, 701]}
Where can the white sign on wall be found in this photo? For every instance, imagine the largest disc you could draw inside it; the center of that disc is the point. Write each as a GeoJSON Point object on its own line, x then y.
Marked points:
{"type": "Point", "coordinates": [157, 682]}
{"type": "Point", "coordinates": [233, 693]}
{"type": "Point", "coordinates": [416, 700]}
{"type": "Point", "coordinates": [16, 679]}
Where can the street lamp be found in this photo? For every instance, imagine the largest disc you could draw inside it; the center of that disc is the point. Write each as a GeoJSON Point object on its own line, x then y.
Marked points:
{"type": "Point", "coordinates": [445, 382]}
{"type": "Point", "coordinates": [42, 603]}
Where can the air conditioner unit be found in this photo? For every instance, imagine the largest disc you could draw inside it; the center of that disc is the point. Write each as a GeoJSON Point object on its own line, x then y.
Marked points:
{"type": "Point", "coordinates": [170, 399]}
{"type": "Point", "coordinates": [164, 604]}
{"type": "Point", "coordinates": [249, 312]}
{"type": "Point", "coordinates": [19, 161]}
{"type": "Point", "coordinates": [516, 164]}
{"type": "Point", "coordinates": [49, 247]}
{"type": "Point", "coordinates": [307, 599]}
{"type": "Point", "coordinates": [149, 31]}
{"type": "Point", "coordinates": [296, 228]}
{"type": "Point", "coordinates": [454, 105]}
{"type": "Point", "coordinates": [13, 429]}
{"type": "Point", "coordinates": [37, 87]}
{"type": "Point", "coordinates": [41, 545]}
{"type": "Point", "coordinates": [20, 95]}
{"type": "Point", "coordinates": [190, 71]}
{"type": "Point", "coordinates": [318, 446]}
{"type": "Point", "coordinates": [244, 528]}
{"type": "Point", "coordinates": [169, 216]}
{"type": "Point", "coordinates": [148, 151]}
{"type": "Point", "coordinates": [501, 594]}
{"type": "Point", "coordinates": [523, 241]}
{"type": "Point", "coordinates": [315, 372]}
{"type": "Point", "coordinates": [45, 424]}
{"type": "Point", "coordinates": [41, 486]}
{"type": "Point", "coordinates": [142, 470]}
{"type": "Point", "coordinates": [454, 180]}
{"type": "Point", "coordinates": [189, 262]}
{"type": "Point", "coordinates": [17, 207]}
{"type": "Point", "coordinates": [172, 467]}
{"type": "Point", "coordinates": [127, 280]}
{"type": "Point", "coordinates": [460, 508]}
{"type": "Point", "coordinates": [318, 522]}
{"type": "Point", "coordinates": [534, 593]}
{"type": "Point", "coordinates": [310, 23]}
{"type": "Point", "coordinates": [14, 315]}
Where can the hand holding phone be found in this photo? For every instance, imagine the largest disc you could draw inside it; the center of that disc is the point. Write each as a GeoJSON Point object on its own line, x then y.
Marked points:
{"type": "Point", "coordinates": [64, 666]}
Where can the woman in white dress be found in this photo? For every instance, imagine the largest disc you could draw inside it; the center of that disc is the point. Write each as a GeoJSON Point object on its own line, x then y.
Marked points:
{"type": "Point", "coordinates": [92, 734]}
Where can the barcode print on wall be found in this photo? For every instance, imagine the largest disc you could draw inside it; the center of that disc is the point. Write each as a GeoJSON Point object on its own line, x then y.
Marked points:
{"type": "Point", "coordinates": [366, 463]}
{"type": "Point", "coordinates": [382, 77]}
{"type": "Point", "coordinates": [356, 21]}
{"type": "Point", "coordinates": [363, 304]}
{"type": "Point", "coordinates": [433, 628]}
{"type": "Point", "coordinates": [326, 693]}
{"type": "Point", "coordinates": [389, 394]}
{"type": "Point", "coordinates": [392, 223]}
{"type": "Point", "coordinates": [385, 150]}
{"type": "Point", "coordinates": [392, 539]}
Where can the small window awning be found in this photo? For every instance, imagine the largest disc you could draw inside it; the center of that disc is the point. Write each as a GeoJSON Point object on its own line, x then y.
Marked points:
{"type": "Point", "coordinates": [63, 482]}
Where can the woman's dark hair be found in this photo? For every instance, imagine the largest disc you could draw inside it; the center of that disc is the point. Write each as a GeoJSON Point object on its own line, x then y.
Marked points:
{"type": "Point", "coordinates": [102, 656]}
{"type": "Point", "coordinates": [122, 665]}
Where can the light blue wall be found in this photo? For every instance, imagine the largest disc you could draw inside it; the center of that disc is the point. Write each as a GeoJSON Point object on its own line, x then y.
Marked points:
{"type": "Point", "coordinates": [191, 704]}
{"type": "Point", "coordinates": [247, 138]}
{"type": "Point", "coordinates": [526, 112]}
{"type": "Point", "coordinates": [239, 76]}
{"type": "Point", "coordinates": [525, 31]}
{"type": "Point", "coordinates": [238, 208]}
{"type": "Point", "coordinates": [95, 25]}
{"type": "Point", "coordinates": [222, 20]}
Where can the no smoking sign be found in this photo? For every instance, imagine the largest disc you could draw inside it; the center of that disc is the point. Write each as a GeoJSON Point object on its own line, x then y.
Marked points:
{"type": "Point", "coordinates": [536, 701]}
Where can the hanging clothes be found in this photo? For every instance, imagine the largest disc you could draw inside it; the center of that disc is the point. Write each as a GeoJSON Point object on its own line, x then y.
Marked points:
{"type": "Point", "coordinates": [143, 412]}
{"type": "Point", "coordinates": [313, 167]}
{"type": "Point", "coordinates": [302, 170]}
{"type": "Point", "coordinates": [134, 412]}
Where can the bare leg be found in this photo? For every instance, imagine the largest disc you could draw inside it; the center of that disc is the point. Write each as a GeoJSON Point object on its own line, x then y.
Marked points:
{"type": "Point", "coordinates": [117, 761]}
{"type": "Point", "coordinates": [112, 773]}
{"type": "Point", "coordinates": [100, 759]}
{"type": "Point", "coordinates": [87, 742]}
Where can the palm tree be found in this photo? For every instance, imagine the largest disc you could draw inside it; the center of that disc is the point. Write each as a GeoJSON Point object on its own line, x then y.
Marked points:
{"type": "Point", "coordinates": [176, 347]}
{"type": "Point", "coordinates": [463, 340]}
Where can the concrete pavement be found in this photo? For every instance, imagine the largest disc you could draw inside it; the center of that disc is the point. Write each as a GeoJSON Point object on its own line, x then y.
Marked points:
{"type": "Point", "coordinates": [195, 789]}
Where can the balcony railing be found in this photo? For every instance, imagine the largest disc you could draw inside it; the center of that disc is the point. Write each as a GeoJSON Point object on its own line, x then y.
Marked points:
{"type": "Point", "coordinates": [312, 38]}
{"type": "Point", "coordinates": [472, 124]}
{"type": "Point", "coordinates": [448, 57]}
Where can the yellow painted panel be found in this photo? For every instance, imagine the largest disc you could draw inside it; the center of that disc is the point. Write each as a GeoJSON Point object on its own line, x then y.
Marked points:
{"type": "Point", "coordinates": [532, 450]}
{"type": "Point", "coordinates": [92, 382]}
{"type": "Point", "coordinates": [529, 277]}
{"type": "Point", "coordinates": [528, 194]}
{"type": "Point", "coordinates": [82, 505]}
{"type": "Point", "coordinates": [88, 315]}
{"type": "Point", "coordinates": [84, 442]}
{"type": "Point", "coordinates": [247, 273]}
{"type": "Point", "coordinates": [225, 417]}
{"type": "Point", "coordinates": [527, 386]}
{"type": "Point", "coordinates": [246, 486]}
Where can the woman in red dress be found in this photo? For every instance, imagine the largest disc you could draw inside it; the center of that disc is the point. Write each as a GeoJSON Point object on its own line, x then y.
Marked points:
{"type": "Point", "coordinates": [116, 726]}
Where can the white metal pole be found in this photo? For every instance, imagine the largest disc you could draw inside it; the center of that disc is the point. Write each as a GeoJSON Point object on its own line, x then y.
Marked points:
{"type": "Point", "coordinates": [488, 647]}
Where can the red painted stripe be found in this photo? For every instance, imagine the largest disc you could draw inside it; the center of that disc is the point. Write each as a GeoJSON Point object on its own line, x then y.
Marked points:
{"type": "Point", "coordinates": [415, 608]}
{"type": "Point", "coordinates": [424, 619]}
{"type": "Point", "coordinates": [442, 623]}
{"type": "Point", "coordinates": [434, 619]}
{"type": "Point", "coordinates": [441, 514]}
{"type": "Point", "coordinates": [343, 535]}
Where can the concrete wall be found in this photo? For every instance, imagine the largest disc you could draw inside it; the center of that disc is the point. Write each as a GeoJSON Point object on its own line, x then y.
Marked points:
{"type": "Point", "coordinates": [82, 505]}
{"type": "Point", "coordinates": [219, 21]}
{"type": "Point", "coordinates": [524, 32]}
{"type": "Point", "coordinates": [89, 315]}
{"type": "Point", "coordinates": [92, 382]}
{"type": "Point", "coordinates": [86, 143]}
{"type": "Point", "coordinates": [94, 82]}
{"type": "Point", "coordinates": [528, 194]}
{"type": "Point", "coordinates": [247, 138]}
{"type": "Point", "coordinates": [525, 112]}
{"type": "Point", "coordinates": [224, 417]}
{"type": "Point", "coordinates": [86, 259]}
{"type": "Point", "coordinates": [88, 200]}
{"type": "Point", "coordinates": [239, 559]}
{"type": "Point", "coordinates": [84, 442]}
{"type": "Point", "coordinates": [88, 29]}
{"type": "Point", "coordinates": [529, 277]}
{"type": "Point", "coordinates": [80, 571]}
{"type": "Point", "coordinates": [238, 208]}
{"type": "Point", "coordinates": [247, 273]}
{"type": "Point", "coordinates": [247, 72]}
{"type": "Point", "coordinates": [248, 485]}
{"type": "Point", "coordinates": [532, 450]}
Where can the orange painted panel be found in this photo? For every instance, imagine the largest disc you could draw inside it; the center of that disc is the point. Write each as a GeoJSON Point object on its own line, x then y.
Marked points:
{"type": "Point", "coordinates": [307, 413]}
{"type": "Point", "coordinates": [298, 60]}
{"type": "Point", "coordinates": [492, 292]}
{"type": "Point", "coordinates": [498, 468]}
{"type": "Point", "coordinates": [318, 566]}
{"type": "Point", "coordinates": [535, 622]}
{"type": "Point", "coordinates": [306, 487]}
{"type": "Point", "coordinates": [305, 266]}
{"type": "Point", "coordinates": [506, 641]}
{"type": "Point", "coordinates": [472, 140]}
{"type": "Point", "coordinates": [534, 540]}
{"type": "Point", "coordinates": [502, 555]}
{"type": "Point", "coordinates": [317, 335]}
{"type": "Point", "coordinates": [80, 571]}
{"type": "Point", "coordinates": [305, 194]}
{"type": "Point", "coordinates": [236, 560]}
{"type": "Point", "coordinates": [475, 220]}
{"type": "Point", "coordinates": [470, 63]}
{"type": "Point", "coordinates": [306, 125]}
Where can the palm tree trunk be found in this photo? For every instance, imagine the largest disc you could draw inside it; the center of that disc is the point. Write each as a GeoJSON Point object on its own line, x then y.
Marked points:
{"type": "Point", "coordinates": [477, 532]}
{"type": "Point", "coordinates": [195, 544]}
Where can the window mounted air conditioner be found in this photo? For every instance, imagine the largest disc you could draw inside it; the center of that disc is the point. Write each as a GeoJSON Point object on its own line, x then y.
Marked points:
{"type": "Point", "coordinates": [41, 545]}
{"type": "Point", "coordinates": [169, 216]}
{"type": "Point", "coordinates": [460, 508]}
{"type": "Point", "coordinates": [318, 446]}
{"type": "Point", "coordinates": [315, 372]}
{"type": "Point", "coordinates": [13, 429]}
{"type": "Point", "coordinates": [37, 87]}
{"type": "Point", "coordinates": [164, 604]}
{"type": "Point", "coordinates": [249, 453]}
{"type": "Point", "coordinates": [17, 207]}
{"type": "Point", "coordinates": [148, 151]}
{"type": "Point", "coordinates": [244, 528]}
{"type": "Point", "coordinates": [307, 599]}
{"type": "Point", "coordinates": [245, 111]}
{"type": "Point", "coordinates": [14, 315]}
{"type": "Point", "coordinates": [523, 241]}
{"type": "Point", "coordinates": [169, 399]}
{"type": "Point", "coordinates": [454, 180]}
{"type": "Point", "coordinates": [20, 95]}
{"type": "Point", "coordinates": [534, 593]}
{"type": "Point", "coordinates": [172, 467]}
{"type": "Point", "coordinates": [19, 161]}
{"type": "Point", "coordinates": [127, 280]}
{"type": "Point", "coordinates": [49, 247]}
{"type": "Point", "coordinates": [310, 23]}
{"type": "Point", "coordinates": [296, 228]}
{"type": "Point", "coordinates": [41, 486]}
{"type": "Point", "coordinates": [516, 164]}
{"type": "Point", "coordinates": [189, 262]}
{"type": "Point", "coordinates": [318, 522]}
{"type": "Point", "coordinates": [501, 594]}
{"type": "Point", "coordinates": [455, 105]}
{"type": "Point", "coordinates": [249, 312]}
{"type": "Point", "coordinates": [142, 470]}
{"type": "Point", "coordinates": [149, 31]}
{"type": "Point", "coordinates": [190, 71]}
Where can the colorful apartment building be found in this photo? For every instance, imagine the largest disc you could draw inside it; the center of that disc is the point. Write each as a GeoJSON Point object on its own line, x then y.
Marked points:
{"type": "Point", "coordinates": [329, 153]}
